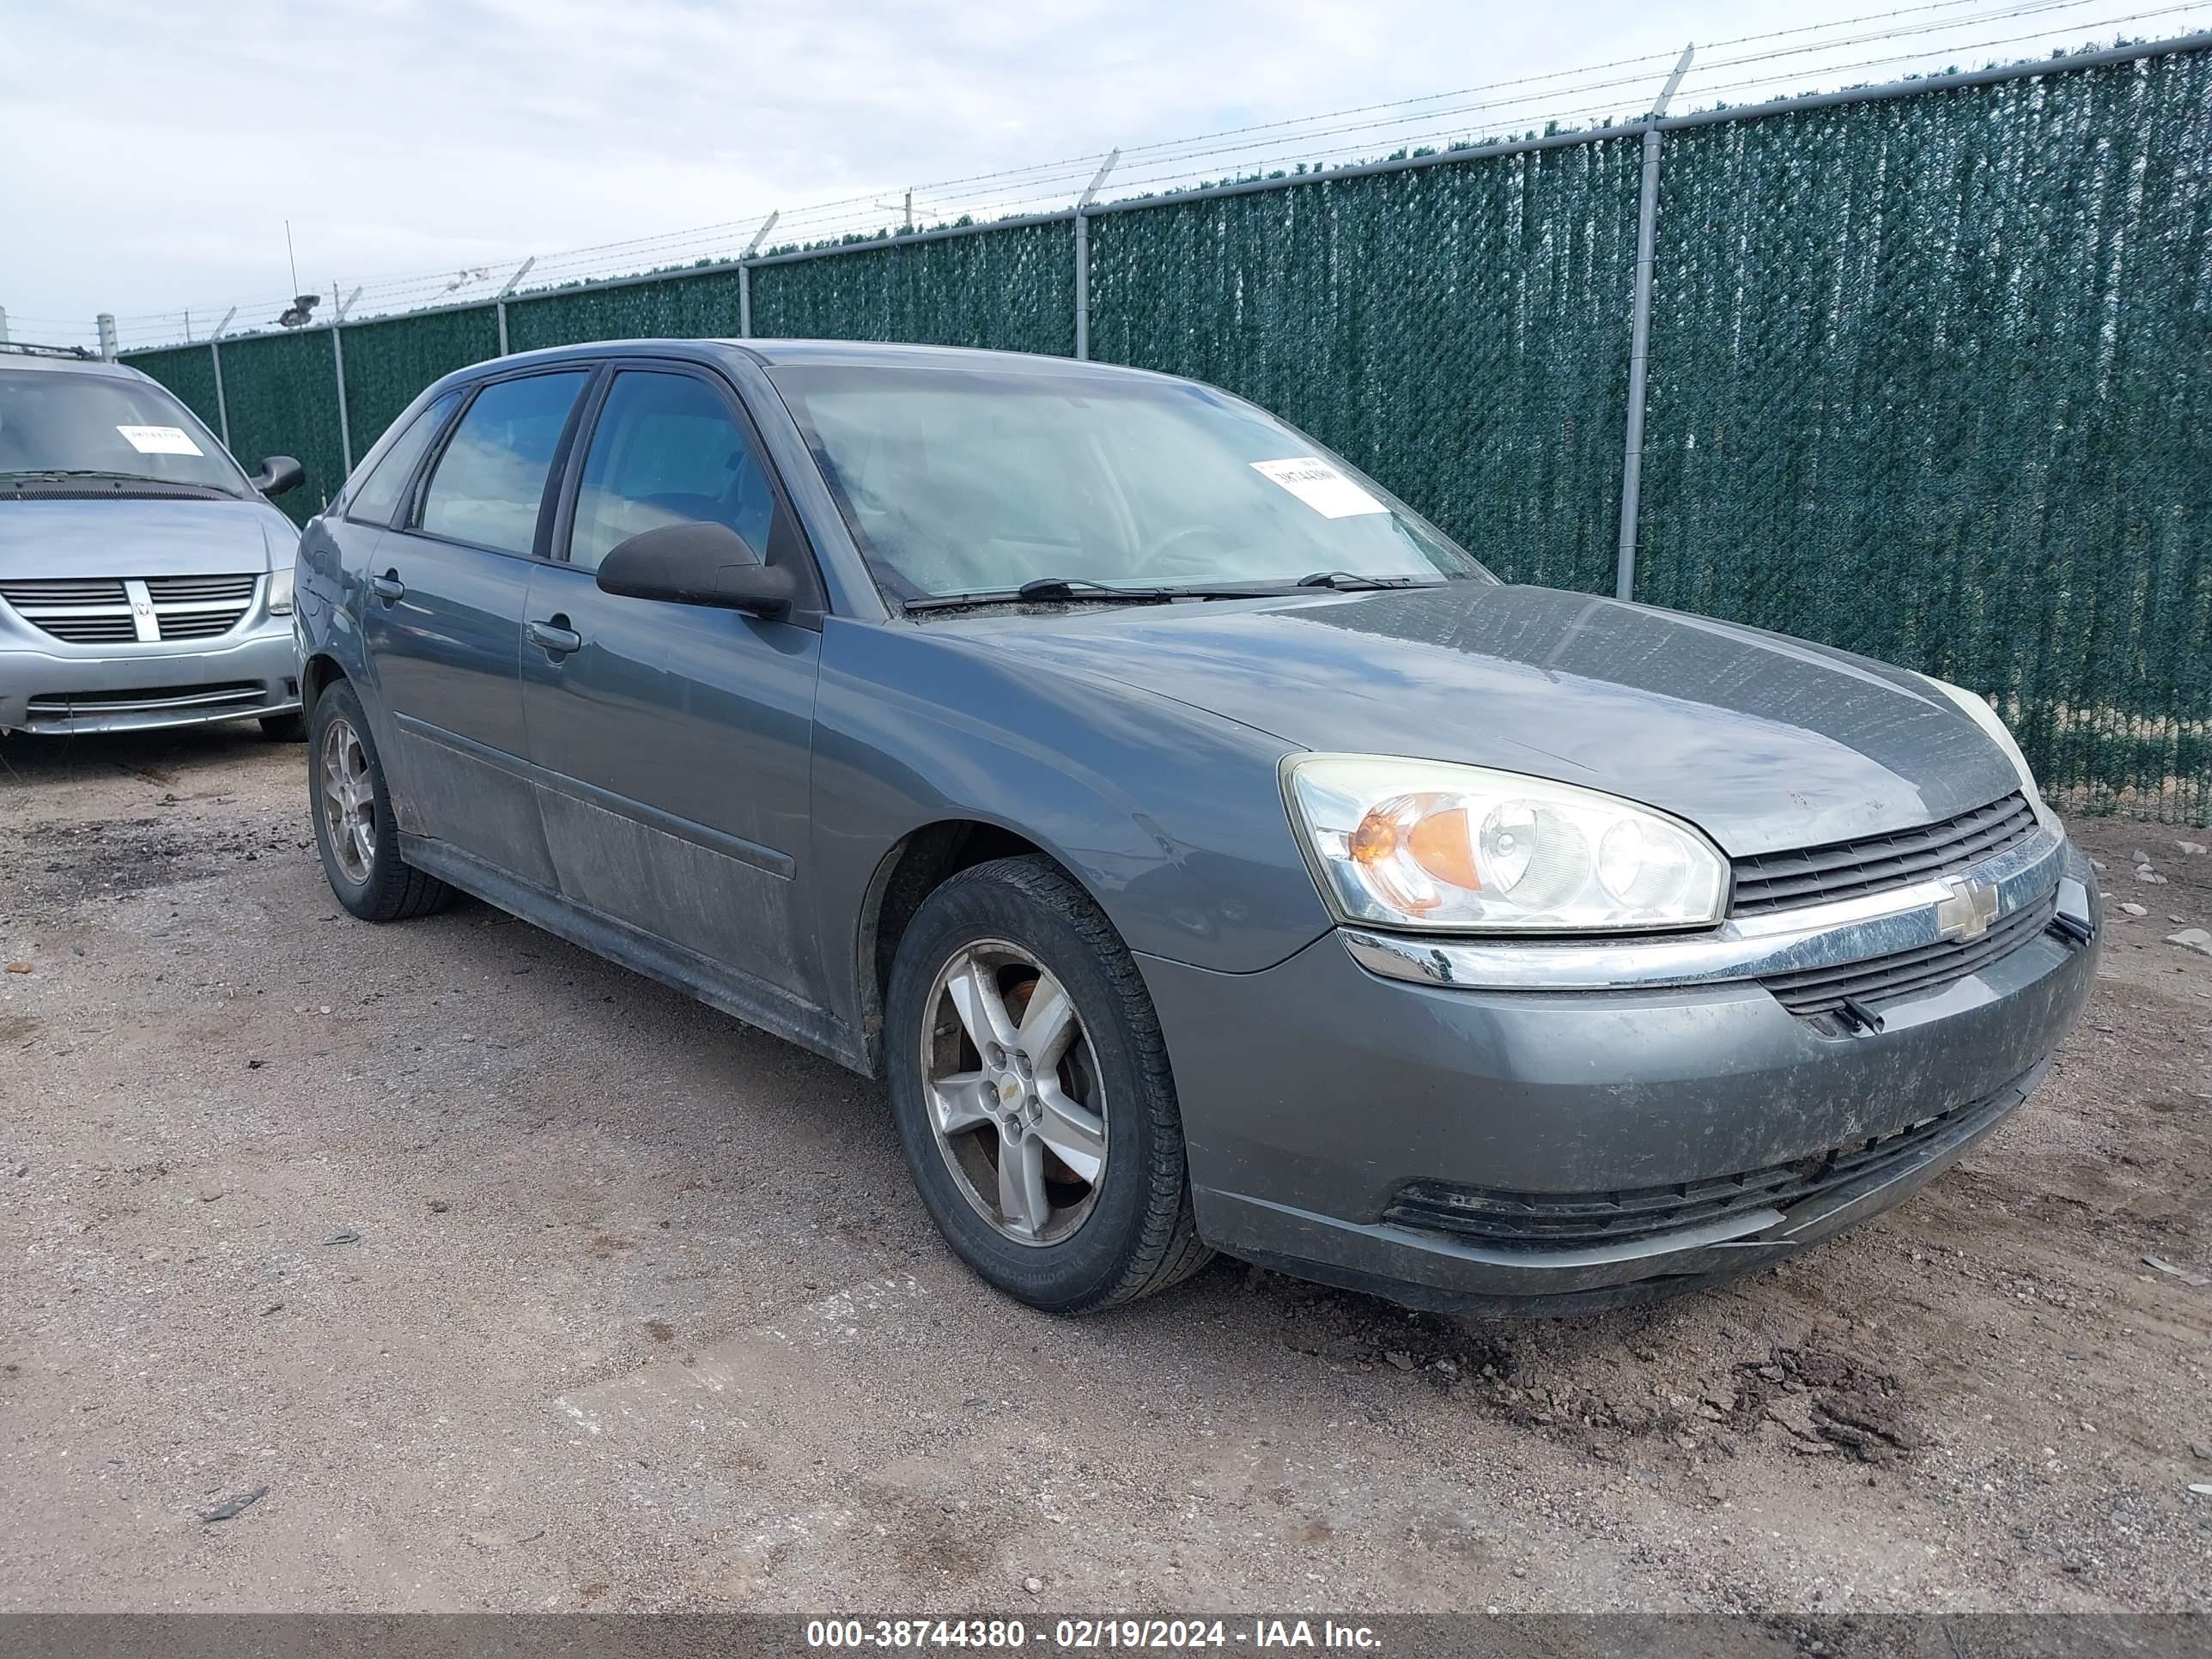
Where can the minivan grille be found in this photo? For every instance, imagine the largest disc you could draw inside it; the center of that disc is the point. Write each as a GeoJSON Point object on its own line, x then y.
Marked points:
{"type": "Point", "coordinates": [97, 610]}
{"type": "Point", "coordinates": [1901, 972]}
{"type": "Point", "coordinates": [1877, 864]}
{"type": "Point", "coordinates": [1566, 1221]}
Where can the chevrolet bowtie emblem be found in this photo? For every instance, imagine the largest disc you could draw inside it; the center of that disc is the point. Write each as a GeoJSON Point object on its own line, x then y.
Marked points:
{"type": "Point", "coordinates": [1968, 912]}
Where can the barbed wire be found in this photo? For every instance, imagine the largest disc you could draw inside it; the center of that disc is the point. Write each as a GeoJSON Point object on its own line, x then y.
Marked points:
{"type": "Point", "coordinates": [1587, 97]}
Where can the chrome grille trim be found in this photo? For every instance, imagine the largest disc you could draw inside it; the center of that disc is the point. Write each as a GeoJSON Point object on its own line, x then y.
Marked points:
{"type": "Point", "coordinates": [1875, 864]}
{"type": "Point", "coordinates": [101, 610]}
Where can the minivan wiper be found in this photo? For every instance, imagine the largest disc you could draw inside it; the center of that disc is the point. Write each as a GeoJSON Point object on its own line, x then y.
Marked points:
{"type": "Point", "coordinates": [63, 474]}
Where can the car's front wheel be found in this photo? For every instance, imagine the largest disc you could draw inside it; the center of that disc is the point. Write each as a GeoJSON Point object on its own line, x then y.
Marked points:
{"type": "Point", "coordinates": [285, 728]}
{"type": "Point", "coordinates": [354, 830]}
{"type": "Point", "coordinates": [1033, 1098]}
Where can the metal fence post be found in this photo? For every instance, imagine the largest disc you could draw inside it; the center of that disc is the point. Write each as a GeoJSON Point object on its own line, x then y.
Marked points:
{"type": "Point", "coordinates": [745, 275]}
{"type": "Point", "coordinates": [1639, 337]}
{"type": "Point", "coordinates": [499, 301]}
{"type": "Point", "coordinates": [106, 324]}
{"type": "Point", "coordinates": [1083, 255]}
{"type": "Point", "coordinates": [3, 326]}
{"type": "Point", "coordinates": [215, 361]}
{"type": "Point", "coordinates": [345, 427]}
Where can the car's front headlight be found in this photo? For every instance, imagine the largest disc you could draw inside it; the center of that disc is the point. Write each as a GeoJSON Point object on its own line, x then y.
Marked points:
{"type": "Point", "coordinates": [1449, 849]}
{"type": "Point", "coordinates": [280, 591]}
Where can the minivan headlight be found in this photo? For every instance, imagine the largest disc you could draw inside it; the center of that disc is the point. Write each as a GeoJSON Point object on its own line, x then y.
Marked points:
{"type": "Point", "coordinates": [1979, 709]}
{"type": "Point", "coordinates": [1451, 848]}
{"type": "Point", "coordinates": [280, 591]}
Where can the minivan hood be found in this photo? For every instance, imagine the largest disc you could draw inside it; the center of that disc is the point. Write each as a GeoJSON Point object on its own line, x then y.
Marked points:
{"type": "Point", "coordinates": [128, 536]}
{"type": "Point", "coordinates": [1765, 742]}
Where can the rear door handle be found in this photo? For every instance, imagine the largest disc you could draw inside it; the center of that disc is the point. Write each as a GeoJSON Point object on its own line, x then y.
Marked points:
{"type": "Point", "coordinates": [388, 588]}
{"type": "Point", "coordinates": [555, 638]}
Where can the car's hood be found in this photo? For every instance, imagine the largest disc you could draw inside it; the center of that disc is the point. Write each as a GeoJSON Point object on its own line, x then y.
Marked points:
{"type": "Point", "coordinates": [1764, 742]}
{"type": "Point", "coordinates": [133, 537]}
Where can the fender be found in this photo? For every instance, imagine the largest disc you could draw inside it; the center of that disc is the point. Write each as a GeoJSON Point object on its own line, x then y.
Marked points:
{"type": "Point", "coordinates": [1204, 871]}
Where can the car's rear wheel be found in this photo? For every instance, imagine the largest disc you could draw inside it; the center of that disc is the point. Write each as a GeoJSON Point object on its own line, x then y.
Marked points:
{"type": "Point", "coordinates": [354, 831]}
{"type": "Point", "coordinates": [1032, 1092]}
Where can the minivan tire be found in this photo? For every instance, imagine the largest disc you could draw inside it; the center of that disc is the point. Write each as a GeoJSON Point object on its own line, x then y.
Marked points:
{"type": "Point", "coordinates": [1139, 1237]}
{"type": "Point", "coordinates": [391, 890]}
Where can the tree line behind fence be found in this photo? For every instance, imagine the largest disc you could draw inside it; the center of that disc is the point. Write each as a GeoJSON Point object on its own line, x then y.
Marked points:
{"type": "Point", "coordinates": [1930, 375]}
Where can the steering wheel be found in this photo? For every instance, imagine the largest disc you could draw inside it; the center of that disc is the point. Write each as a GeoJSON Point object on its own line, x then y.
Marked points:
{"type": "Point", "coordinates": [1163, 549]}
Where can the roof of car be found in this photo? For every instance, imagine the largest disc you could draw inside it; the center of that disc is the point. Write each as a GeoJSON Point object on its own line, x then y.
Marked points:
{"type": "Point", "coordinates": [68, 365]}
{"type": "Point", "coordinates": [778, 354]}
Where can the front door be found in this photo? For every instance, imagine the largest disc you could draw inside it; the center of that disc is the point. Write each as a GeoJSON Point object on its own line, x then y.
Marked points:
{"type": "Point", "coordinates": [443, 620]}
{"type": "Point", "coordinates": [674, 741]}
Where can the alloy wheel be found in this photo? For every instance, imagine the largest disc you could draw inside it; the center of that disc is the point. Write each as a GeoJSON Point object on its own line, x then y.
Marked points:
{"type": "Point", "coordinates": [348, 800]}
{"type": "Point", "coordinates": [1013, 1092]}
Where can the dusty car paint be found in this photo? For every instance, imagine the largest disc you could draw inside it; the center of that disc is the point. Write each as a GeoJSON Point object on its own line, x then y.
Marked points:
{"type": "Point", "coordinates": [1139, 748]}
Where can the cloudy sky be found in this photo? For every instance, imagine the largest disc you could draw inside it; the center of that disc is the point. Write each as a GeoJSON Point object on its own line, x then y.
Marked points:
{"type": "Point", "coordinates": [154, 149]}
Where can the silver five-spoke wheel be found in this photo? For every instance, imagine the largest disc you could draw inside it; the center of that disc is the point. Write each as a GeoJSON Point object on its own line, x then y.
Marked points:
{"type": "Point", "coordinates": [348, 800]}
{"type": "Point", "coordinates": [1014, 1093]}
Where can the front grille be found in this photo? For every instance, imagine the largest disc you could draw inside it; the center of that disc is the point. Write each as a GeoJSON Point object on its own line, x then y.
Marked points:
{"type": "Point", "coordinates": [97, 610]}
{"type": "Point", "coordinates": [146, 699]}
{"type": "Point", "coordinates": [1901, 972]}
{"type": "Point", "coordinates": [1564, 1221]}
{"type": "Point", "coordinates": [199, 607]}
{"type": "Point", "coordinates": [63, 590]}
{"type": "Point", "coordinates": [1878, 864]}
{"type": "Point", "coordinates": [164, 589]}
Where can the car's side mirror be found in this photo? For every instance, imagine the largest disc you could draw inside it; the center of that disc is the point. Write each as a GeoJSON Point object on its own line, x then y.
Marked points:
{"type": "Point", "coordinates": [278, 474]}
{"type": "Point", "coordinates": [697, 564]}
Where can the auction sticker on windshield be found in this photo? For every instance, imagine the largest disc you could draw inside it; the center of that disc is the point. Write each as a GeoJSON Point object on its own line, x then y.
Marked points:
{"type": "Point", "coordinates": [159, 440]}
{"type": "Point", "coordinates": [1319, 486]}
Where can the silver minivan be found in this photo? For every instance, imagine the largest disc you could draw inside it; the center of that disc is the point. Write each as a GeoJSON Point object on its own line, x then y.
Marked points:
{"type": "Point", "coordinates": [144, 579]}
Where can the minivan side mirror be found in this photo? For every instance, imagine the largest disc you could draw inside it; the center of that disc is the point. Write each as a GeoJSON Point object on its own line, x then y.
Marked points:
{"type": "Point", "coordinates": [697, 563]}
{"type": "Point", "coordinates": [278, 474]}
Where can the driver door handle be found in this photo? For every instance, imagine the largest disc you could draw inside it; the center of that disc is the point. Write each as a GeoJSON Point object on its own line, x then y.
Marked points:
{"type": "Point", "coordinates": [388, 588]}
{"type": "Point", "coordinates": [554, 637]}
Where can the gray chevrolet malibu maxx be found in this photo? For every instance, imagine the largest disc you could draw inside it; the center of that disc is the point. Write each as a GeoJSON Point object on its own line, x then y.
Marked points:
{"type": "Point", "coordinates": [144, 581]}
{"type": "Point", "coordinates": [1208, 853]}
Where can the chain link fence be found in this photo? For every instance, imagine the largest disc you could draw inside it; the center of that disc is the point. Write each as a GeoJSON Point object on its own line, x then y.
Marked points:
{"type": "Point", "coordinates": [1931, 368]}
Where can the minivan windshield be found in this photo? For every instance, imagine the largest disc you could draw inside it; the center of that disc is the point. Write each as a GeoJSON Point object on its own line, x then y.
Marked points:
{"type": "Point", "coordinates": [960, 481]}
{"type": "Point", "coordinates": [105, 426]}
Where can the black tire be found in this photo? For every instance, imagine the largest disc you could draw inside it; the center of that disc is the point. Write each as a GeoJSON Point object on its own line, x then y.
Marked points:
{"type": "Point", "coordinates": [390, 889]}
{"type": "Point", "coordinates": [1138, 1237]}
{"type": "Point", "coordinates": [285, 728]}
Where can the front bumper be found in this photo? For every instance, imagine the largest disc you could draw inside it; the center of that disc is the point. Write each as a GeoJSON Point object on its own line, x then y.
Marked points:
{"type": "Point", "coordinates": [1316, 1093]}
{"type": "Point", "coordinates": [76, 689]}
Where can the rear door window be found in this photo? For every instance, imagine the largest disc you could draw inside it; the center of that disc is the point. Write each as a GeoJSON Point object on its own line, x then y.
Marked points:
{"type": "Point", "coordinates": [379, 497]}
{"type": "Point", "coordinates": [491, 479]}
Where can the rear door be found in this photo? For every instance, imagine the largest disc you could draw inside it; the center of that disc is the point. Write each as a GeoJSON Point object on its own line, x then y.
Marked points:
{"type": "Point", "coordinates": [675, 739]}
{"type": "Point", "coordinates": [442, 618]}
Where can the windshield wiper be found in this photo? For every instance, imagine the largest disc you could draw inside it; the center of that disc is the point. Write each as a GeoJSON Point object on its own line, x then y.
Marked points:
{"type": "Point", "coordinates": [1346, 581]}
{"type": "Point", "coordinates": [62, 474]}
{"type": "Point", "coordinates": [1082, 590]}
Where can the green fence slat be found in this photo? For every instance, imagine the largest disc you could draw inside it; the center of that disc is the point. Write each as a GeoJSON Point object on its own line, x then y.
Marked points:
{"type": "Point", "coordinates": [188, 371]}
{"type": "Point", "coordinates": [1928, 382]}
{"type": "Point", "coordinates": [281, 390]}
{"type": "Point", "coordinates": [389, 360]}
{"type": "Point", "coordinates": [674, 308]}
{"type": "Point", "coordinates": [1006, 290]}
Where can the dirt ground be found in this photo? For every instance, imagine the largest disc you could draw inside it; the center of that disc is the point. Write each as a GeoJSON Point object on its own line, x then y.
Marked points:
{"type": "Point", "coordinates": [509, 1280]}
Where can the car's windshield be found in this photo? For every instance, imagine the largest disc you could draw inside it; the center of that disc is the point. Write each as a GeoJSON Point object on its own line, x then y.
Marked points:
{"type": "Point", "coordinates": [55, 421]}
{"type": "Point", "coordinates": [960, 481]}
